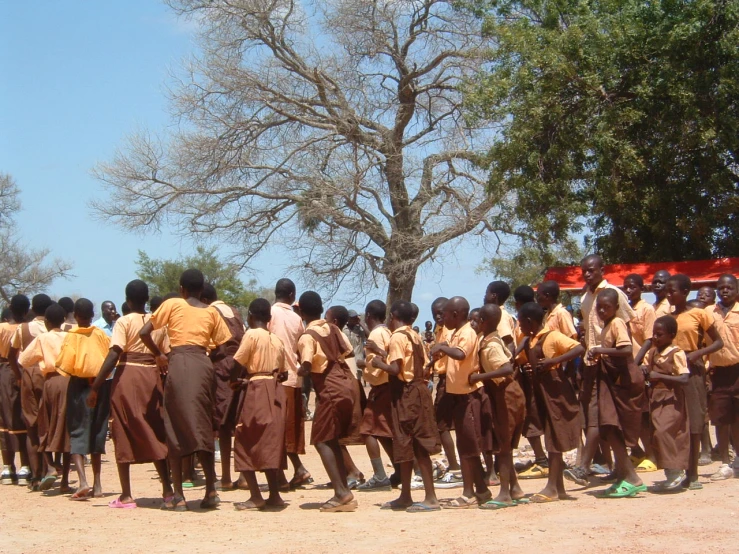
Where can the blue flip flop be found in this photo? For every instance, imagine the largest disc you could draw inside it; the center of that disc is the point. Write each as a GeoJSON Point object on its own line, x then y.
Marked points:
{"type": "Point", "coordinates": [497, 505]}
{"type": "Point", "coordinates": [417, 508]}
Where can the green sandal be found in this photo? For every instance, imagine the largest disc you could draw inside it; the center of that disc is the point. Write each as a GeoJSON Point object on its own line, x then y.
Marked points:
{"type": "Point", "coordinates": [625, 489]}
{"type": "Point", "coordinates": [497, 505]}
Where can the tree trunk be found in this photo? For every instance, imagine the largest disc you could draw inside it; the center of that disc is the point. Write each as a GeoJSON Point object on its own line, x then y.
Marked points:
{"type": "Point", "coordinates": [400, 286]}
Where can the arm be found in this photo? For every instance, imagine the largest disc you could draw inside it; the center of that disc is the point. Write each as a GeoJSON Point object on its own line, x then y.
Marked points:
{"type": "Point", "coordinates": [392, 368]}
{"type": "Point", "coordinates": [643, 351]}
{"type": "Point", "coordinates": [453, 352]}
{"type": "Point", "coordinates": [13, 362]}
{"type": "Point", "coordinates": [508, 341]}
{"type": "Point", "coordinates": [106, 369]}
{"type": "Point", "coordinates": [146, 338]}
{"type": "Point", "coordinates": [715, 346]}
{"type": "Point", "coordinates": [235, 381]}
{"type": "Point", "coordinates": [305, 369]}
{"type": "Point", "coordinates": [566, 357]}
{"type": "Point", "coordinates": [618, 352]}
{"type": "Point", "coordinates": [503, 371]}
{"type": "Point", "coordinates": [678, 379]}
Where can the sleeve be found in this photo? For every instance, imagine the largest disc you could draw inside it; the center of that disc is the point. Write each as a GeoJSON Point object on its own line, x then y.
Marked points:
{"type": "Point", "coordinates": [348, 348]}
{"type": "Point", "coordinates": [566, 324]}
{"type": "Point", "coordinates": [706, 321]}
{"type": "Point", "coordinates": [120, 330]}
{"type": "Point", "coordinates": [493, 357]}
{"type": "Point", "coordinates": [32, 355]}
{"type": "Point", "coordinates": [649, 358]}
{"type": "Point", "coordinates": [649, 318]}
{"type": "Point", "coordinates": [396, 348]}
{"type": "Point", "coordinates": [220, 332]}
{"type": "Point", "coordinates": [680, 362]}
{"type": "Point", "coordinates": [561, 344]}
{"type": "Point", "coordinates": [243, 354]}
{"type": "Point", "coordinates": [306, 348]}
{"type": "Point", "coordinates": [467, 343]}
{"type": "Point", "coordinates": [160, 318]}
{"type": "Point", "coordinates": [625, 311]}
{"type": "Point", "coordinates": [67, 357]}
{"type": "Point", "coordinates": [620, 333]}
{"type": "Point", "coordinates": [505, 329]}
{"type": "Point", "coordinates": [15, 342]}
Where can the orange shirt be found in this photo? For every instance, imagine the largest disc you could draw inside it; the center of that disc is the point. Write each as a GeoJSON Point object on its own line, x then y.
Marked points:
{"type": "Point", "coordinates": [662, 308]}
{"type": "Point", "coordinates": [506, 325]}
{"type": "Point", "coordinates": [7, 330]}
{"type": "Point", "coordinates": [493, 355]}
{"type": "Point", "coordinates": [593, 325]}
{"type": "Point", "coordinates": [555, 344]}
{"type": "Point", "coordinates": [727, 325]}
{"type": "Point", "coordinates": [310, 351]}
{"type": "Point", "coordinates": [288, 326]}
{"type": "Point", "coordinates": [36, 327]}
{"type": "Point", "coordinates": [458, 371]}
{"type": "Point", "coordinates": [83, 352]}
{"type": "Point", "coordinates": [188, 325]}
{"type": "Point", "coordinates": [690, 323]}
{"type": "Point", "coordinates": [261, 352]}
{"type": "Point", "coordinates": [380, 335]}
{"type": "Point", "coordinates": [400, 349]}
{"type": "Point", "coordinates": [642, 325]}
{"type": "Point", "coordinates": [43, 351]}
{"type": "Point", "coordinates": [559, 319]}
{"type": "Point", "coordinates": [680, 362]}
{"type": "Point", "coordinates": [615, 334]}
{"type": "Point", "coordinates": [126, 335]}
{"type": "Point", "coordinates": [441, 334]}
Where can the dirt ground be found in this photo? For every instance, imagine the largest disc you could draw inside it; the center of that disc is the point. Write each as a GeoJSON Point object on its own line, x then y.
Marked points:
{"type": "Point", "coordinates": [687, 522]}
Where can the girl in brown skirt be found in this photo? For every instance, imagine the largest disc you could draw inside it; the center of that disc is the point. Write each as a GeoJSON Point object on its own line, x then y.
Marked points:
{"type": "Point", "coordinates": [668, 375]}
{"type": "Point", "coordinates": [136, 398]}
{"type": "Point", "coordinates": [189, 392]}
{"type": "Point", "coordinates": [260, 431]}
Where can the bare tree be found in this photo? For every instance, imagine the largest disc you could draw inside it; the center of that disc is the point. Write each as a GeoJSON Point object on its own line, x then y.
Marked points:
{"type": "Point", "coordinates": [22, 270]}
{"type": "Point", "coordinates": [332, 128]}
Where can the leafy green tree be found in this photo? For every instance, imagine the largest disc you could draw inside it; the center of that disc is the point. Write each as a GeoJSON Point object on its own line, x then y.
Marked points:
{"type": "Point", "coordinates": [163, 276]}
{"type": "Point", "coordinates": [619, 114]}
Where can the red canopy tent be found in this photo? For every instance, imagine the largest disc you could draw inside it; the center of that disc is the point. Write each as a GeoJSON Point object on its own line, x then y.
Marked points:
{"type": "Point", "coordinates": [701, 272]}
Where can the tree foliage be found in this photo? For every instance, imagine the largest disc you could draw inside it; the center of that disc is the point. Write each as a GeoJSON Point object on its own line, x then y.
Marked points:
{"type": "Point", "coordinates": [622, 114]}
{"type": "Point", "coordinates": [163, 276]}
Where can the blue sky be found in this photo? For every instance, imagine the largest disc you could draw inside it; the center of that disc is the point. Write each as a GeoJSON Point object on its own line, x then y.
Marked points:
{"type": "Point", "coordinates": [77, 77]}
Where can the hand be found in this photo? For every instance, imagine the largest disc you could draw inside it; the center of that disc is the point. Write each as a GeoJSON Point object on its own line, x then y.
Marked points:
{"type": "Point", "coordinates": [361, 364]}
{"type": "Point", "coordinates": [692, 357]}
{"type": "Point", "coordinates": [473, 378]}
{"type": "Point", "coordinates": [655, 376]}
{"type": "Point", "coordinates": [92, 398]}
{"type": "Point", "coordinates": [282, 377]}
{"type": "Point", "coordinates": [371, 346]}
{"type": "Point", "coordinates": [237, 385]}
{"type": "Point", "coordinates": [162, 363]}
{"type": "Point", "coordinates": [545, 364]}
{"type": "Point", "coordinates": [526, 368]}
{"type": "Point", "coordinates": [302, 372]}
{"type": "Point", "coordinates": [436, 349]}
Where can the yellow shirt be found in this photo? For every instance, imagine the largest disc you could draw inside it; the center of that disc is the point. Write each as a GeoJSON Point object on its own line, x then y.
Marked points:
{"type": "Point", "coordinates": [493, 355]}
{"type": "Point", "coordinates": [458, 371]}
{"type": "Point", "coordinates": [7, 331]}
{"type": "Point", "coordinates": [690, 323]}
{"type": "Point", "coordinates": [380, 335]}
{"type": "Point", "coordinates": [506, 325]}
{"type": "Point", "coordinates": [441, 334]}
{"type": "Point", "coordinates": [126, 335]}
{"type": "Point", "coordinates": [642, 325]}
{"type": "Point", "coordinates": [188, 325]}
{"type": "Point", "coordinates": [662, 308]}
{"type": "Point", "coordinates": [615, 334]}
{"type": "Point", "coordinates": [555, 344]}
{"type": "Point", "coordinates": [261, 352]}
{"type": "Point", "coordinates": [680, 362]}
{"type": "Point", "coordinates": [727, 326]}
{"type": "Point", "coordinates": [559, 319]}
{"type": "Point", "coordinates": [43, 351]}
{"type": "Point", "coordinates": [36, 327]}
{"type": "Point", "coordinates": [400, 349]}
{"type": "Point", "coordinates": [310, 351]}
{"type": "Point", "coordinates": [83, 352]}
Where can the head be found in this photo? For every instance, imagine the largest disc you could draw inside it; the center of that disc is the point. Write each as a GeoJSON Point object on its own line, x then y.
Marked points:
{"type": "Point", "coordinates": [523, 295]}
{"type": "Point", "coordinates": [285, 291]}
{"type": "Point", "coordinates": [606, 304]}
{"type": "Point", "coordinates": [20, 305]}
{"type": "Point", "coordinates": [260, 313]}
{"type": "Point", "coordinates": [497, 293]}
{"type": "Point", "coordinates": [547, 294]}
{"type": "Point", "coordinates": [155, 302]}
{"type": "Point", "coordinates": [456, 312]}
{"type": "Point", "coordinates": [54, 316]}
{"type": "Point", "coordinates": [6, 316]}
{"type": "Point", "coordinates": [311, 306]}
{"type": "Point", "coordinates": [659, 283]}
{"type": "Point", "coordinates": [39, 304]}
{"type": "Point", "coordinates": [664, 331]}
{"type": "Point", "coordinates": [416, 329]}
{"type": "Point", "coordinates": [84, 311]}
{"type": "Point", "coordinates": [633, 287]}
{"type": "Point", "coordinates": [695, 303]}
{"type": "Point", "coordinates": [108, 310]}
{"type": "Point", "coordinates": [592, 270]}
{"type": "Point", "coordinates": [678, 289]}
{"type": "Point", "coordinates": [489, 318]}
{"type": "Point", "coordinates": [67, 303]}
{"type": "Point", "coordinates": [125, 308]}
{"type": "Point", "coordinates": [707, 295]}
{"type": "Point", "coordinates": [416, 311]}
{"type": "Point", "coordinates": [726, 286]}
{"type": "Point", "coordinates": [191, 283]}
{"type": "Point", "coordinates": [209, 294]}
{"type": "Point", "coordinates": [530, 318]}
{"type": "Point", "coordinates": [374, 313]}
{"type": "Point", "coordinates": [429, 326]}
{"type": "Point", "coordinates": [338, 315]}
{"type": "Point", "coordinates": [401, 315]}
{"type": "Point", "coordinates": [137, 295]}
{"type": "Point", "coordinates": [353, 319]}
{"type": "Point", "coordinates": [474, 319]}
{"type": "Point", "coordinates": [437, 309]}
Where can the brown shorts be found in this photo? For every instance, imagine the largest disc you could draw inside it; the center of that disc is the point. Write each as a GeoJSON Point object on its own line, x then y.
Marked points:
{"type": "Point", "coordinates": [443, 406]}
{"type": "Point", "coordinates": [467, 423]}
{"type": "Point", "coordinates": [377, 413]}
{"type": "Point", "coordinates": [723, 404]}
{"type": "Point", "coordinates": [697, 402]}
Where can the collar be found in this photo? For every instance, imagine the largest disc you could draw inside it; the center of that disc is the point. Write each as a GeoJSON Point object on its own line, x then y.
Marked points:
{"type": "Point", "coordinates": [316, 323]}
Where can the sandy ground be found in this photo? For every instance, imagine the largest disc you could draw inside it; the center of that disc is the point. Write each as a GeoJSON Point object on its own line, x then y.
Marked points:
{"type": "Point", "coordinates": [687, 522]}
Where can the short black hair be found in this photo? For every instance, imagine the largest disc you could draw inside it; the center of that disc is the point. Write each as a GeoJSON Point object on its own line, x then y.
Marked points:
{"type": "Point", "coordinates": [682, 280]}
{"type": "Point", "coordinates": [416, 311]}
{"type": "Point", "coordinates": [6, 314]}
{"type": "Point", "coordinates": [440, 300]}
{"type": "Point", "coordinates": [594, 257]}
{"type": "Point", "coordinates": [261, 309]}
{"type": "Point", "coordinates": [403, 311]}
{"type": "Point", "coordinates": [550, 289]}
{"type": "Point", "coordinates": [524, 294]}
{"type": "Point", "coordinates": [473, 311]}
{"type": "Point", "coordinates": [55, 315]}
{"type": "Point", "coordinates": [310, 304]}
{"type": "Point", "coordinates": [39, 304]}
{"type": "Point", "coordinates": [669, 324]}
{"type": "Point", "coordinates": [638, 279]}
{"type": "Point", "coordinates": [192, 281]}
{"type": "Point", "coordinates": [84, 308]}
{"type": "Point", "coordinates": [19, 305]}
{"type": "Point", "coordinates": [106, 302]}
{"type": "Point", "coordinates": [341, 314]}
{"type": "Point", "coordinates": [170, 296]}
{"type": "Point", "coordinates": [155, 302]}
{"type": "Point", "coordinates": [729, 276]}
{"type": "Point", "coordinates": [377, 309]}
{"type": "Point", "coordinates": [284, 288]}
{"type": "Point", "coordinates": [125, 308]}
{"type": "Point", "coordinates": [67, 303]}
{"type": "Point", "coordinates": [137, 291]}
{"type": "Point", "coordinates": [209, 294]}
{"type": "Point", "coordinates": [695, 303]}
{"type": "Point", "coordinates": [532, 311]}
{"type": "Point", "coordinates": [608, 294]}
{"type": "Point", "coordinates": [500, 289]}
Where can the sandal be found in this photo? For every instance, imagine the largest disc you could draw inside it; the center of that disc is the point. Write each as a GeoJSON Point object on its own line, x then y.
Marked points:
{"type": "Point", "coordinates": [461, 503]}
{"type": "Point", "coordinates": [47, 482]}
{"type": "Point", "coordinates": [210, 502]}
{"type": "Point", "coordinates": [299, 482]}
{"type": "Point", "coordinates": [336, 506]}
{"type": "Point", "coordinates": [174, 504]}
{"type": "Point", "coordinates": [497, 505]}
{"type": "Point", "coordinates": [395, 506]}
{"type": "Point", "coordinates": [82, 494]}
{"type": "Point", "coordinates": [418, 508]}
{"type": "Point", "coordinates": [646, 466]}
{"type": "Point", "coordinates": [248, 506]}
{"type": "Point", "coordinates": [122, 505]}
{"type": "Point", "coordinates": [624, 490]}
{"type": "Point", "coordinates": [539, 498]}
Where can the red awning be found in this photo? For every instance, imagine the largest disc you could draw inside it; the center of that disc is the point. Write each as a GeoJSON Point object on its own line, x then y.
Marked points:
{"type": "Point", "coordinates": [701, 272]}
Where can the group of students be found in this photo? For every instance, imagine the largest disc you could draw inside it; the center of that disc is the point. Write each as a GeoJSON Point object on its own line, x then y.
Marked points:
{"type": "Point", "coordinates": [171, 381]}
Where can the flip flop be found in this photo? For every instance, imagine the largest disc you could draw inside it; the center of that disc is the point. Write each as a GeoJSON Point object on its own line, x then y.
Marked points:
{"type": "Point", "coordinates": [646, 466]}
{"type": "Point", "coordinates": [297, 482]}
{"type": "Point", "coordinates": [497, 505]}
{"type": "Point", "coordinates": [47, 482]}
{"type": "Point", "coordinates": [418, 508]}
{"type": "Point", "coordinates": [335, 506]}
{"type": "Point", "coordinates": [210, 502]}
{"type": "Point", "coordinates": [82, 494]}
{"type": "Point", "coordinates": [248, 506]}
{"type": "Point", "coordinates": [539, 498]}
{"type": "Point", "coordinates": [394, 507]}
{"type": "Point", "coordinates": [461, 503]}
{"type": "Point", "coordinates": [519, 501]}
{"type": "Point", "coordinates": [172, 504]}
{"type": "Point", "coordinates": [124, 505]}
{"type": "Point", "coordinates": [187, 484]}
{"type": "Point", "coordinates": [625, 490]}
{"type": "Point", "coordinates": [483, 497]}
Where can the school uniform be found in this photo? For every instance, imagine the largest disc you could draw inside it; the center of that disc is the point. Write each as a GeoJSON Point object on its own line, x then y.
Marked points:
{"type": "Point", "coordinates": [559, 319]}
{"type": "Point", "coordinates": [81, 356]}
{"type": "Point", "coordinates": [338, 413]}
{"type": "Point", "coordinates": [620, 385]}
{"type": "Point", "coordinates": [413, 421]}
{"type": "Point", "coordinates": [288, 327]}
{"type": "Point", "coordinates": [670, 429]}
{"type": "Point", "coordinates": [466, 398]}
{"type": "Point", "coordinates": [189, 391]}
{"type": "Point", "coordinates": [723, 404]}
{"type": "Point", "coordinates": [12, 426]}
{"type": "Point", "coordinates": [507, 401]}
{"type": "Point", "coordinates": [692, 324]}
{"type": "Point", "coordinates": [32, 380]}
{"type": "Point", "coordinates": [136, 401]}
{"type": "Point", "coordinates": [377, 416]}
{"type": "Point", "coordinates": [662, 307]}
{"type": "Point", "coordinates": [43, 352]}
{"type": "Point", "coordinates": [641, 327]}
{"type": "Point", "coordinates": [226, 401]}
{"type": "Point", "coordinates": [442, 405]}
{"type": "Point", "coordinates": [554, 394]}
{"type": "Point", "coordinates": [259, 442]}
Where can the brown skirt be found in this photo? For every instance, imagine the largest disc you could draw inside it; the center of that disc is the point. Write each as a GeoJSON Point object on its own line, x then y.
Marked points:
{"type": "Point", "coordinates": [533, 424]}
{"type": "Point", "coordinates": [224, 394]}
{"type": "Point", "coordinates": [294, 421]}
{"type": "Point", "coordinates": [189, 398]}
{"type": "Point", "coordinates": [137, 414]}
{"type": "Point", "coordinates": [11, 415]}
{"type": "Point", "coordinates": [557, 403]}
{"type": "Point", "coordinates": [53, 414]}
{"type": "Point", "coordinates": [508, 412]}
{"type": "Point", "coordinates": [696, 397]}
{"type": "Point", "coordinates": [589, 396]}
{"type": "Point", "coordinates": [670, 427]}
{"type": "Point", "coordinates": [486, 421]}
{"type": "Point", "coordinates": [620, 405]}
{"type": "Point", "coordinates": [413, 422]}
{"type": "Point", "coordinates": [32, 389]}
{"type": "Point", "coordinates": [259, 438]}
{"type": "Point", "coordinates": [355, 438]}
{"type": "Point", "coordinates": [337, 398]}
{"type": "Point", "coordinates": [378, 413]}
{"type": "Point", "coordinates": [467, 423]}
{"type": "Point", "coordinates": [443, 406]}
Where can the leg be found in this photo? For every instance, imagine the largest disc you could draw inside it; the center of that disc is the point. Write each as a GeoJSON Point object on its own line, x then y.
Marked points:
{"type": "Point", "coordinates": [722, 438]}
{"type": "Point", "coordinates": [78, 460]}
{"type": "Point", "coordinates": [97, 487]}
{"type": "Point", "coordinates": [274, 488]}
{"type": "Point", "coordinates": [255, 497]}
{"type": "Point", "coordinates": [695, 452]}
{"type": "Point", "coordinates": [224, 434]}
{"type": "Point", "coordinates": [34, 456]}
{"type": "Point", "coordinates": [405, 499]}
{"type": "Point", "coordinates": [51, 468]}
{"type": "Point", "coordinates": [427, 474]}
{"type": "Point", "coordinates": [124, 475]}
{"type": "Point", "coordinates": [556, 468]}
{"type": "Point", "coordinates": [352, 471]}
{"type": "Point", "coordinates": [451, 454]}
{"type": "Point", "coordinates": [164, 478]}
{"type": "Point", "coordinates": [468, 477]}
{"type": "Point", "coordinates": [508, 477]}
{"type": "Point", "coordinates": [624, 467]}
{"type": "Point", "coordinates": [332, 458]}
{"type": "Point", "coordinates": [300, 472]}
{"type": "Point", "coordinates": [538, 448]}
{"type": "Point", "coordinates": [64, 484]}
{"type": "Point", "coordinates": [592, 440]}
{"type": "Point", "coordinates": [175, 466]}
{"type": "Point", "coordinates": [373, 450]}
{"type": "Point", "coordinates": [207, 461]}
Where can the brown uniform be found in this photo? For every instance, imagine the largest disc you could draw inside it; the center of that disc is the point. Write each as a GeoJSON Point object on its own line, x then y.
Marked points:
{"type": "Point", "coordinates": [222, 358]}
{"type": "Point", "coordinates": [723, 404]}
{"type": "Point", "coordinates": [377, 416]}
{"type": "Point", "coordinates": [11, 416]}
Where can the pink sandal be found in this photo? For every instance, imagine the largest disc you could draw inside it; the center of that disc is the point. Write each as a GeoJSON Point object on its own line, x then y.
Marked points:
{"type": "Point", "coordinates": [118, 504]}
